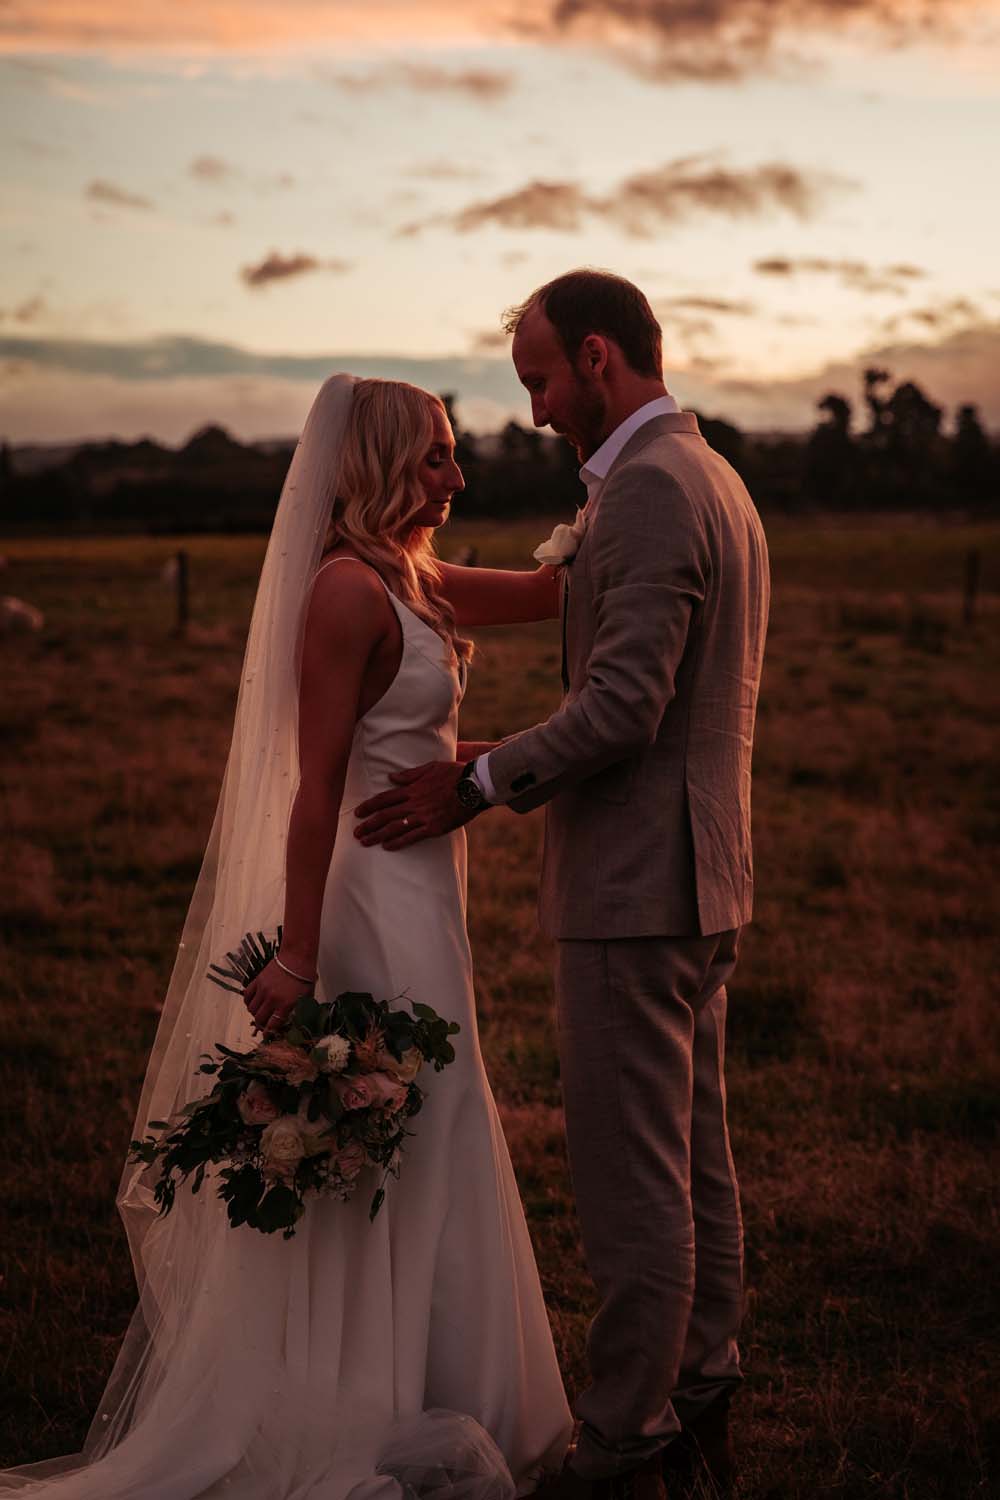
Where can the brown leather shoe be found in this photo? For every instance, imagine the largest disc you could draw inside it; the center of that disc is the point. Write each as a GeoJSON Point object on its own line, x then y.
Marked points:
{"type": "Point", "coordinates": [700, 1461]}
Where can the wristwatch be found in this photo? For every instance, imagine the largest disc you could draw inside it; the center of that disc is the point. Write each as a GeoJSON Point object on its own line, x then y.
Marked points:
{"type": "Point", "coordinates": [468, 791]}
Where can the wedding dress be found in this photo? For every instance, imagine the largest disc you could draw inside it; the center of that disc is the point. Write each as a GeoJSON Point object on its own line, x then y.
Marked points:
{"type": "Point", "coordinates": [387, 1360]}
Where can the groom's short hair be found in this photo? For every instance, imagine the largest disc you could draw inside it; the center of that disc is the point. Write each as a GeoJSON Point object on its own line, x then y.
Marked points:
{"type": "Point", "coordinates": [585, 301]}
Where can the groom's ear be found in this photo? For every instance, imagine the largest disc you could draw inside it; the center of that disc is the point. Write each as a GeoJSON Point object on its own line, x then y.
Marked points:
{"type": "Point", "coordinates": [594, 354]}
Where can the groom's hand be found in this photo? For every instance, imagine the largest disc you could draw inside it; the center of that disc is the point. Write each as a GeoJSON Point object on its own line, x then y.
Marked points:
{"type": "Point", "coordinates": [421, 805]}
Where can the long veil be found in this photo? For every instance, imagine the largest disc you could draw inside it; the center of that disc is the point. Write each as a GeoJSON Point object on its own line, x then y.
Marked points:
{"type": "Point", "coordinates": [241, 885]}
{"type": "Point", "coordinates": [242, 878]}
{"type": "Point", "coordinates": [229, 1382]}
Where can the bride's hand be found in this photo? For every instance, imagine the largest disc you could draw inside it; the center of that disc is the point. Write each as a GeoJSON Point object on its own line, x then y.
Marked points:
{"type": "Point", "coordinates": [271, 997]}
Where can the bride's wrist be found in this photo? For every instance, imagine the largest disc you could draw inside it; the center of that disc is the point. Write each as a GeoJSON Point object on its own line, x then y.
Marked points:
{"type": "Point", "coordinates": [298, 965]}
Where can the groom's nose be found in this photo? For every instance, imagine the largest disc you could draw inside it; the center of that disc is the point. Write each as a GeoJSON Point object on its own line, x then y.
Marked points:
{"type": "Point", "coordinates": [539, 411]}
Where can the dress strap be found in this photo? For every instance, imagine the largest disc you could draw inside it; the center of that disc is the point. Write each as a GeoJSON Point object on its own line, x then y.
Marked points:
{"type": "Point", "coordinates": [348, 558]}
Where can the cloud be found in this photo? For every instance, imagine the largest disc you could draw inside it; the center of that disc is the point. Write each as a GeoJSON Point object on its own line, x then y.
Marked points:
{"type": "Point", "coordinates": [56, 389]}
{"type": "Point", "coordinates": [215, 171]}
{"type": "Point", "coordinates": [714, 40]}
{"type": "Point", "coordinates": [707, 304]}
{"type": "Point", "coordinates": [235, 26]}
{"type": "Point", "coordinates": [38, 73]}
{"type": "Point", "coordinates": [278, 267]}
{"type": "Point", "coordinates": [28, 311]}
{"type": "Point", "coordinates": [102, 191]}
{"type": "Point", "coordinates": [718, 41]}
{"type": "Point", "coordinates": [490, 341]}
{"type": "Point", "coordinates": [856, 274]}
{"type": "Point", "coordinates": [485, 85]}
{"type": "Point", "coordinates": [645, 201]}
{"type": "Point", "coordinates": [940, 317]}
{"type": "Point", "coordinates": [539, 205]}
{"type": "Point", "coordinates": [962, 367]}
{"type": "Point", "coordinates": [443, 171]}
{"type": "Point", "coordinates": [71, 389]}
{"type": "Point", "coordinates": [210, 168]}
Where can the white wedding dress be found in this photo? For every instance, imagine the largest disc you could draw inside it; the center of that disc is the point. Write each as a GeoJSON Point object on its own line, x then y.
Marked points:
{"type": "Point", "coordinates": [359, 1360]}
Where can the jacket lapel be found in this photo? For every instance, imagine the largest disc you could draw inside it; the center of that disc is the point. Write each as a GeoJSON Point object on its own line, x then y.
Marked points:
{"type": "Point", "coordinates": [662, 426]}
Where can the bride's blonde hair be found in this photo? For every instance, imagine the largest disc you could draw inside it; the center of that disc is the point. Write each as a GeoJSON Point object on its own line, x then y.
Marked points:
{"type": "Point", "coordinates": [389, 430]}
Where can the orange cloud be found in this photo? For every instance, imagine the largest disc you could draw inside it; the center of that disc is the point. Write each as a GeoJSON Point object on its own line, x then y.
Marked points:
{"type": "Point", "coordinates": [856, 274]}
{"type": "Point", "coordinates": [102, 191]}
{"type": "Point", "coordinates": [677, 191]}
{"type": "Point", "coordinates": [237, 26]}
{"type": "Point", "coordinates": [665, 39]}
{"type": "Point", "coordinates": [720, 40]}
{"type": "Point", "coordinates": [483, 84]}
{"type": "Point", "coordinates": [278, 267]}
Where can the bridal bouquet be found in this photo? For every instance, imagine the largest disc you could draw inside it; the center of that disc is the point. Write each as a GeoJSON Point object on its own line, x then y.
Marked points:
{"type": "Point", "coordinates": [304, 1112]}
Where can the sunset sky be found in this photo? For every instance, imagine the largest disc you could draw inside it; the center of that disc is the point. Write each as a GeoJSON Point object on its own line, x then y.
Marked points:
{"type": "Point", "coordinates": [208, 207]}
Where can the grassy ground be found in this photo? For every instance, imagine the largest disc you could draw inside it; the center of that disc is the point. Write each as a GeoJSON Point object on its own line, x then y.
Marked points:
{"type": "Point", "coordinates": [864, 1048]}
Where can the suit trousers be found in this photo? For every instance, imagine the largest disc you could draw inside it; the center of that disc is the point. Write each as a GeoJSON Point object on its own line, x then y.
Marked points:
{"type": "Point", "coordinates": [642, 1050]}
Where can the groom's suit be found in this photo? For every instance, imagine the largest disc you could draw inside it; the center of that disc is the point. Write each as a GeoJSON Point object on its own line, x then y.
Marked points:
{"type": "Point", "coordinates": [647, 879]}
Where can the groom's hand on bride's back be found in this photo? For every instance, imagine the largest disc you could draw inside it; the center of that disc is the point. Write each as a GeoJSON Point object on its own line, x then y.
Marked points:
{"type": "Point", "coordinates": [422, 804]}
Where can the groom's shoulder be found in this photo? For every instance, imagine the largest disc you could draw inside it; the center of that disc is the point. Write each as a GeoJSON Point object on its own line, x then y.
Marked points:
{"type": "Point", "coordinates": [679, 464]}
{"type": "Point", "coordinates": [650, 480]}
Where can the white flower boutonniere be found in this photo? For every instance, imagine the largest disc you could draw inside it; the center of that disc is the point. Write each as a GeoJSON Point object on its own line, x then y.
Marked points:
{"type": "Point", "coordinates": [564, 543]}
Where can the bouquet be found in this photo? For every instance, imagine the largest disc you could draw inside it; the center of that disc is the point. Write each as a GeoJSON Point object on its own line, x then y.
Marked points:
{"type": "Point", "coordinates": [304, 1112]}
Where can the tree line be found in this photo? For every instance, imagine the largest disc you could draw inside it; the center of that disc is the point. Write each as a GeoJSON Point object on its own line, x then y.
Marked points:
{"type": "Point", "coordinates": [897, 458]}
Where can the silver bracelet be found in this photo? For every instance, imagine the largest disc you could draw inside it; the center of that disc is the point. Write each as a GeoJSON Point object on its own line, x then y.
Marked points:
{"type": "Point", "coordinates": [300, 977]}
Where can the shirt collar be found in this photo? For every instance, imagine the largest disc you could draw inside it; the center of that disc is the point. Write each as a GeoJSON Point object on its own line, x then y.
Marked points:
{"type": "Point", "coordinates": [596, 468]}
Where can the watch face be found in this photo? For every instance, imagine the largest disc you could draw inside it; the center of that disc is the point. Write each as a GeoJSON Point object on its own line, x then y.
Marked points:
{"type": "Point", "coordinates": [468, 793]}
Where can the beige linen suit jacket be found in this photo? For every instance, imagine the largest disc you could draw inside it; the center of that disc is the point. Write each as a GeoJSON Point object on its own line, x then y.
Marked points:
{"type": "Point", "coordinates": [646, 765]}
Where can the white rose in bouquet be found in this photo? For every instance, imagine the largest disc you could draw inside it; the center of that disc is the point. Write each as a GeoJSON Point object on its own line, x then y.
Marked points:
{"type": "Point", "coordinates": [282, 1148]}
{"type": "Point", "coordinates": [334, 1053]}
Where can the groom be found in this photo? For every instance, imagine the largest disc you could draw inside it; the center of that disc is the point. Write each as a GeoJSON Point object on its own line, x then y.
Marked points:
{"type": "Point", "coordinates": [647, 880]}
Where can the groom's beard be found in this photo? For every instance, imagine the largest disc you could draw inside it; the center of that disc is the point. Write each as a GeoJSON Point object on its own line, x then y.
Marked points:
{"type": "Point", "coordinates": [589, 419]}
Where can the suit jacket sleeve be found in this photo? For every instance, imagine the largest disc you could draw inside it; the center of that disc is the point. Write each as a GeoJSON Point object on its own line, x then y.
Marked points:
{"type": "Point", "coordinates": [649, 566]}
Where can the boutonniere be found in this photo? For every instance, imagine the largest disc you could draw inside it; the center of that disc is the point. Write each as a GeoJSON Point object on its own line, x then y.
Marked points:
{"type": "Point", "coordinates": [564, 543]}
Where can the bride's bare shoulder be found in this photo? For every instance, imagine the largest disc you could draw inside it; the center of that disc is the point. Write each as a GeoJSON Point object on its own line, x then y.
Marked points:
{"type": "Point", "coordinates": [347, 595]}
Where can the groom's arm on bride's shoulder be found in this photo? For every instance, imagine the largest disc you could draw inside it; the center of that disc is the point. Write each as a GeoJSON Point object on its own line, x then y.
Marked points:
{"type": "Point", "coordinates": [496, 596]}
{"type": "Point", "coordinates": [649, 564]}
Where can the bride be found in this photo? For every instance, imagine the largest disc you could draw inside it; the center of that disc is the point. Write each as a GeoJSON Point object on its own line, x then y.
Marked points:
{"type": "Point", "coordinates": [359, 1360]}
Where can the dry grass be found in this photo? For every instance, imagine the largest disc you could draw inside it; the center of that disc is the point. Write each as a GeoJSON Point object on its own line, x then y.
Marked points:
{"type": "Point", "coordinates": [865, 1065]}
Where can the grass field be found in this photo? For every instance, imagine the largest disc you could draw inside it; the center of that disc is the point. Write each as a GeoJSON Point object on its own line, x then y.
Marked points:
{"type": "Point", "coordinates": [864, 1066]}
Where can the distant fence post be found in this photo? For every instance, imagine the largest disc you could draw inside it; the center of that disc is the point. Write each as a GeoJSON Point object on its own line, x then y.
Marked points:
{"type": "Point", "coordinates": [973, 563]}
{"type": "Point", "coordinates": [182, 592]}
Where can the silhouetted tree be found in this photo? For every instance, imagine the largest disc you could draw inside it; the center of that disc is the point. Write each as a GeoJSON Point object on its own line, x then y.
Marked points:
{"type": "Point", "coordinates": [875, 379]}
{"type": "Point", "coordinates": [465, 443]}
{"type": "Point", "coordinates": [973, 463]}
{"type": "Point", "coordinates": [831, 462]}
{"type": "Point", "coordinates": [724, 438]}
{"type": "Point", "coordinates": [520, 443]}
{"type": "Point", "coordinates": [6, 467]}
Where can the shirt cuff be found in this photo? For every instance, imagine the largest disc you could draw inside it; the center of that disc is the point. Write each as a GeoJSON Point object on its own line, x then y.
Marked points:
{"type": "Point", "coordinates": [483, 779]}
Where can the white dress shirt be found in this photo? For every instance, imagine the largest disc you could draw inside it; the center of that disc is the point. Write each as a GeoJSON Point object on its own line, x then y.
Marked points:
{"type": "Point", "coordinates": [593, 475]}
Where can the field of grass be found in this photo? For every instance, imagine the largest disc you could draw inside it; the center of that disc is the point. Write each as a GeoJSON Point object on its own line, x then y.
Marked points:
{"type": "Point", "coordinates": [864, 1070]}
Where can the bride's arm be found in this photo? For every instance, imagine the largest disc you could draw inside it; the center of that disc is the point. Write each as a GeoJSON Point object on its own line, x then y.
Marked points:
{"type": "Point", "coordinates": [473, 749]}
{"type": "Point", "coordinates": [346, 619]}
{"type": "Point", "coordinates": [496, 596]}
